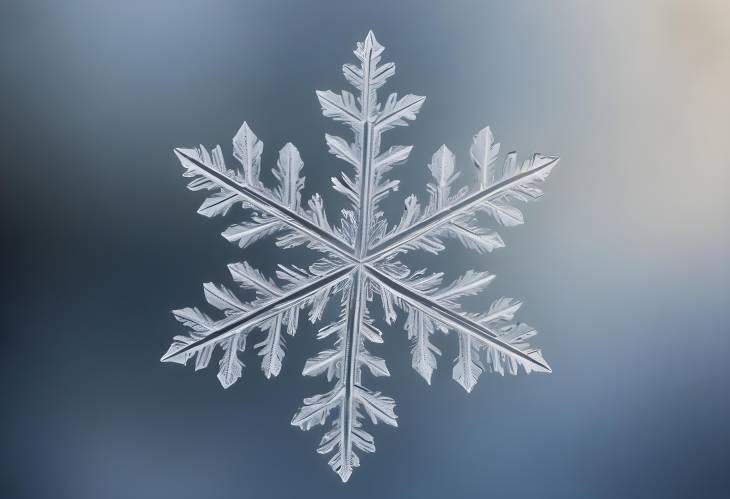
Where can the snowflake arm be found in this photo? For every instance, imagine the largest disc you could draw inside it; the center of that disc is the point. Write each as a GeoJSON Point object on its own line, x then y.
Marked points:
{"type": "Point", "coordinates": [205, 333]}
{"type": "Point", "coordinates": [368, 120]}
{"type": "Point", "coordinates": [348, 397]}
{"type": "Point", "coordinates": [516, 184]}
{"type": "Point", "coordinates": [513, 350]}
{"type": "Point", "coordinates": [231, 189]}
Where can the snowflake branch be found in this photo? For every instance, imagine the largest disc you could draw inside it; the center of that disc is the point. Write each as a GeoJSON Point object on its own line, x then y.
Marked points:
{"type": "Point", "coordinates": [239, 323]}
{"type": "Point", "coordinates": [368, 123]}
{"type": "Point", "coordinates": [456, 321]}
{"type": "Point", "coordinates": [349, 397]}
{"type": "Point", "coordinates": [453, 212]}
{"type": "Point", "coordinates": [351, 372]}
{"type": "Point", "coordinates": [282, 213]}
{"type": "Point", "coordinates": [369, 54]}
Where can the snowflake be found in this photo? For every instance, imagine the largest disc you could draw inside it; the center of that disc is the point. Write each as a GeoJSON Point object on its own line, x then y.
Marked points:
{"type": "Point", "coordinates": [359, 260]}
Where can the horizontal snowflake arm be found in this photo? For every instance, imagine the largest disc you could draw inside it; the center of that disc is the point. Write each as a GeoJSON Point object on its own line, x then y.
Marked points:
{"type": "Point", "coordinates": [462, 324]}
{"type": "Point", "coordinates": [239, 323]}
{"type": "Point", "coordinates": [457, 210]}
{"type": "Point", "coordinates": [282, 213]}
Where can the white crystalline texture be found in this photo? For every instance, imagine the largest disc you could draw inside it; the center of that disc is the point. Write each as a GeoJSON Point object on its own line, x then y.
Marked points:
{"type": "Point", "coordinates": [359, 259]}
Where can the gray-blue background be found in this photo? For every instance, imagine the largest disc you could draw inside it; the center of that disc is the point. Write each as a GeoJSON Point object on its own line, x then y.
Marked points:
{"type": "Point", "coordinates": [623, 265]}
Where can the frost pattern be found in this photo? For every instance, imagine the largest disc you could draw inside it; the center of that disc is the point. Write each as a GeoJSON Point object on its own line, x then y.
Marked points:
{"type": "Point", "coordinates": [359, 259]}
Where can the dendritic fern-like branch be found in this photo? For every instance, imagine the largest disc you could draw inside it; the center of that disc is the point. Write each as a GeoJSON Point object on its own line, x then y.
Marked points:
{"type": "Point", "coordinates": [359, 259]}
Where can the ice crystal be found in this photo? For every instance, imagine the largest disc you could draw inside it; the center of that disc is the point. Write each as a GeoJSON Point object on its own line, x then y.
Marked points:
{"type": "Point", "coordinates": [359, 259]}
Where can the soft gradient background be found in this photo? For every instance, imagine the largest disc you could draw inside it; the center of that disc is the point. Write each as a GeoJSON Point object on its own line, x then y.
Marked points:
{"type": "Point", "coordinates": [623, 265]}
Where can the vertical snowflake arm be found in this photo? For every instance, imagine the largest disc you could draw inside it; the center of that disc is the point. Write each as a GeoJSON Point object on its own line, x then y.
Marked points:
{"type": "Point", "coordinates": [351, 400]}
{"type": "Point", "coordinates": [368, 120]}
{"type": "Point", "coordinates": [349, 397]}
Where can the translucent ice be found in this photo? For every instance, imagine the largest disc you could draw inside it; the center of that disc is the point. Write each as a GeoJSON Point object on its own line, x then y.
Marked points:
{"type": "Point", "coordinates": [359, 258]}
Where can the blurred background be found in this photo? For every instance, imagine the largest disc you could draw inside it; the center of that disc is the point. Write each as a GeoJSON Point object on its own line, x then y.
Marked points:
{"type": "Point", "coordinates": [623, 265]}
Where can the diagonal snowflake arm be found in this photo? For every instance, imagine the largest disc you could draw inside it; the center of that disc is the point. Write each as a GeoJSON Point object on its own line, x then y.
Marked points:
{"type": "Point", "coordinates": [206, 333]}
{"type": "Point", "coordinates": [497, 189]}
{"type": "Point", "coordinates": [246, 188]}
{"type": "Point", "coordinates": [481, 330]}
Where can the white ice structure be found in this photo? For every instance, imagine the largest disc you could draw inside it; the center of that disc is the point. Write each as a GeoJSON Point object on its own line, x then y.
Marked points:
{"type": "Point", "coordinates": [360, 260]}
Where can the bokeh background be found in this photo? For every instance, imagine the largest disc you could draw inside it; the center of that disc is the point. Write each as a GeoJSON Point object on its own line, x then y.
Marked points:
{"type": "Point", "coordinates": [623, 265]}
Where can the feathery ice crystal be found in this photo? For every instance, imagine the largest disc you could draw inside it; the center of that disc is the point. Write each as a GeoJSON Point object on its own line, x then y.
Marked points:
{"type": "Point", "coordinates": [359, 259]}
